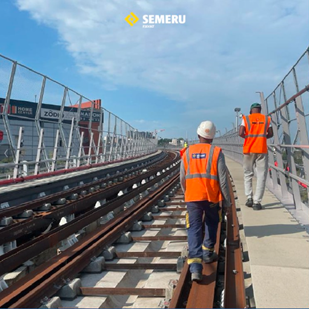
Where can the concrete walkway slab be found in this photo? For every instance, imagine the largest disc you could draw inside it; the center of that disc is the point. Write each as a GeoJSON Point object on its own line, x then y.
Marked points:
{"type": "Point", "coordinates": [279, 287]}
{"type": "Point", "coordinates": [278, 249]}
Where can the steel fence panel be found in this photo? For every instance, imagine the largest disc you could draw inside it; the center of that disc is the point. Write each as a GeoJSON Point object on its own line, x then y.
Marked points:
{"type": "Point", "coordinates": [44, 107]}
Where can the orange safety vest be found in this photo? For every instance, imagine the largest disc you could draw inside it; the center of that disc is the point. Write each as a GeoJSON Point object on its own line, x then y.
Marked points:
{"type": "Point", "coordinates": [201, 168]}
{"type": "Point", "coordinates": [256, 133]}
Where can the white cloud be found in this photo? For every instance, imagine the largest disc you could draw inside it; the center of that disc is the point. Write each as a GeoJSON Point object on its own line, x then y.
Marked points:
{"type": "Point", "coordinates": [225, 52]}
{"type": "Point", "coordinates": [140, 121]}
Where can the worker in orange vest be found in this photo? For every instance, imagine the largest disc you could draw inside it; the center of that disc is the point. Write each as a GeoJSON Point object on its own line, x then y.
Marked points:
{"type": "Point", "coordinates": [182, 151]}
{"type": "Point", "coordinates": [203, 178]}
{"type": "Point", "coordinates": [255, 129]}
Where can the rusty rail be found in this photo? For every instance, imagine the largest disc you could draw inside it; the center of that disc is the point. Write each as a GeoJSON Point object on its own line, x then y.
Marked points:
{"type": "Point", "coordinates": [15, 210]}
{"type": "Point", "coordinates": [43, 219]}
{"type": "Point", "coordinates": [46, 279]}
{"type": "Point", "coordinates": [16, 257]}
{"type": "Point", "coordinates": [234, 287]}
{"type": "Point", "coordinates": [201, 295]}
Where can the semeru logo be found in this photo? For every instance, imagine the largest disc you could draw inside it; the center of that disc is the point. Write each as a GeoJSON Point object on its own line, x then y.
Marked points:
{"type": "Point", "coordinates": [149, 21]}
{"type": "Point", "coordinates": [131, 19]}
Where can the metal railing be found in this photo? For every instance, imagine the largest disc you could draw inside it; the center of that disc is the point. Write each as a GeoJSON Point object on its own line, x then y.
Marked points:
{"type": "Point", "coordinates": [46, 126]}
{"type": "Point", "coordinates": [288, 150]}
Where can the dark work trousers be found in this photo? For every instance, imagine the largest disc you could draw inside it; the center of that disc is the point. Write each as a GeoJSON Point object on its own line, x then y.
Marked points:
{"type": "Point", "coordinates": [194, 223]}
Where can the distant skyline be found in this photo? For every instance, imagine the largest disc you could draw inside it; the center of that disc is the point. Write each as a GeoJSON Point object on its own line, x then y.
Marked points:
{"type": "Point", "coordinates": [171, 76]}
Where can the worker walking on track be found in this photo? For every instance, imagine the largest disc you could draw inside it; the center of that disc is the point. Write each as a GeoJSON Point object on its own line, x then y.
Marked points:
{"type": "Point", "coordinates": [255, 129]}
{"type": "Point", "coordinates": [203, 178]}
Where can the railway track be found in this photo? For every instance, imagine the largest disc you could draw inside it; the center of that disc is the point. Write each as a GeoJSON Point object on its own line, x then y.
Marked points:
{"type": "Point", "coordinates": [151, 266]}
{"type": "Point", "coordinates": [82, 207]}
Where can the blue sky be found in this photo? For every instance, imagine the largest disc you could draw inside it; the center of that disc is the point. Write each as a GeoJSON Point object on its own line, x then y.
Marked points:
{"type": "Point", "coordinates": [170, 77]}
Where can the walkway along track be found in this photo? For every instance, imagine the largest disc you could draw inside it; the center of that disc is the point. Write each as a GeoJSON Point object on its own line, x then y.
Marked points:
{"type": "Point", "coordinates": [48, 278]}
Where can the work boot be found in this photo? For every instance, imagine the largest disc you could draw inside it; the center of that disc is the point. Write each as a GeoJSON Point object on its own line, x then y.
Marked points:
{"type": "Point", "coordinates": [210, 257]}
{"type": "Point", "coordinates": [257, 206]}
{"type": "Point", "coordinates": [249, 202]}
{"type": "Point", "coordinates": [196, 276]}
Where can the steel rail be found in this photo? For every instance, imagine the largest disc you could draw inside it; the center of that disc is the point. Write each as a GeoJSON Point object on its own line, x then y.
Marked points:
{"type": "Point", "coordinates": [201, 294]}
{"type": "Point", "coordinates": [234, 284]}
{"type": "Point", "coordinates": [15, 257]}
{"type": "Point", "coordinates": [15, 210]}
{"type": "Point", "coordinates": [62, 171]}
{"type": "Point", "coordinates": [47, 278]}
{"type": "Point", "coordinates": [43, 219]}
{"type": "Point", "coordinates": [207, 286]}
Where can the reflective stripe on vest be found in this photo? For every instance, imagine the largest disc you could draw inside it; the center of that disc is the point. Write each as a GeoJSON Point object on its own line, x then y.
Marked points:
{"type": "Point", "coordinates": [248, 123]}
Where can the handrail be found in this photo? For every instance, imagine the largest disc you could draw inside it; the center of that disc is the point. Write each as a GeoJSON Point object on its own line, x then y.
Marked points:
{"type": "Point", "coordinates": [291, 99]}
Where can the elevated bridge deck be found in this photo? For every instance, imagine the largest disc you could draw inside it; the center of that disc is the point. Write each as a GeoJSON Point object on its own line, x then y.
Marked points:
{"type": "Point", "coordinates": [276, 246]}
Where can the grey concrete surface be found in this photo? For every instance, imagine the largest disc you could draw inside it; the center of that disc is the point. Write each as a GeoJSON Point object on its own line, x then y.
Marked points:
{"type": "Point", "coordinates": [277, 247]}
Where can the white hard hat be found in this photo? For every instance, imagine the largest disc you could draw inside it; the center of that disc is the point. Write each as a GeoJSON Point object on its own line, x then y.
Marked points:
{"type": "Point", "coordinates": [206, 129]}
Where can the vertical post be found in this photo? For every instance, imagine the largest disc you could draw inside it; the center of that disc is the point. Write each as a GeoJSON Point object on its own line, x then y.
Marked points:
{"type": "Point", "coordinates": [275, 125]}
{"type": "Point", "coordinates": [89, 159]}
{"type": "Point", "coordinates": [90, 117]}
{"type": "Point", "coordinates": [271, 156]}
{"type": "Point", "coordinates": [77, 128]}
{"type": "Point", "coordinates": [6, 108]}
{"type": "Point", "coordinates": [285, 118]}
{"type": "Point", "coordinates": [54, 160]}
{"type": "Point", "coordinates": [126, 149]}
{"type": "Point", "coordinates": [39, 152]}
{"type": "Point", "coordinates": [18, 151]}
{"type": "Point", "coordinates": [263, 103]}
{"type": "Point", "coordinates": [100, 139]}
{"type": "Point", "coordinates": [80, 150]}
{"type": "Point", "coordinates": [112, 142]}
{"type": "Point", "coordinates": [130, 146]}
{"type": "Point", "coordinates": [68, 156]}
{"type": "Point", "coordinates": [107, 136]}
{"type": "Point", "coordinates": [135, 143]}
{"type": "Point", "coordinates": [61, 117]}
{"type": "Point", "coordinates": [37, 121]}
{"type": "Point", "coordinates": [122, 140]}
{"type": "Point", "coordinates": [98, 148]}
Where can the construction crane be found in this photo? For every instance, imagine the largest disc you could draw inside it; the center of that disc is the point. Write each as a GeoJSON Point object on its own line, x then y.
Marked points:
{"type": "Point", "coordinates": [155, 132]}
